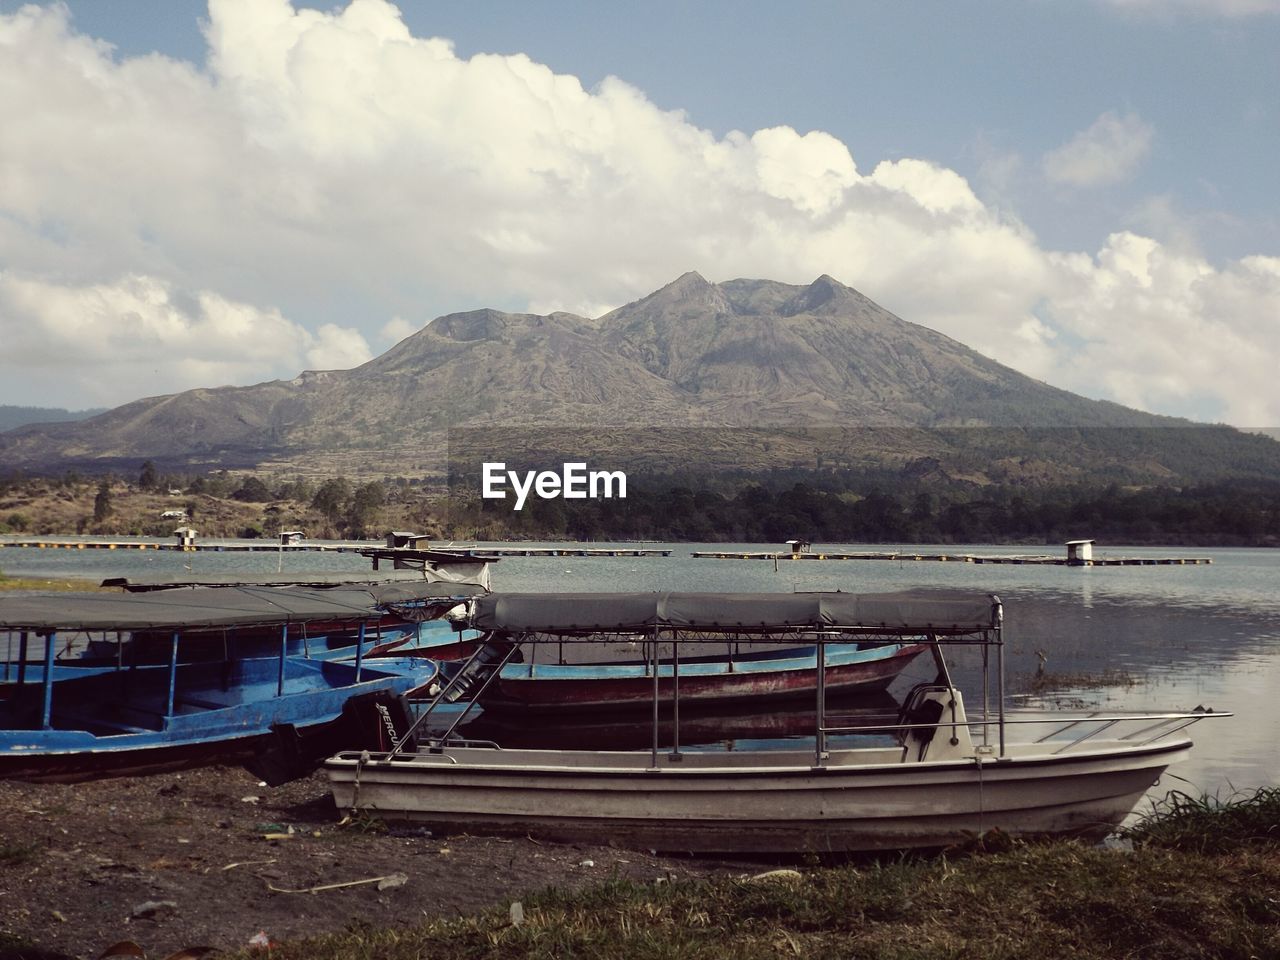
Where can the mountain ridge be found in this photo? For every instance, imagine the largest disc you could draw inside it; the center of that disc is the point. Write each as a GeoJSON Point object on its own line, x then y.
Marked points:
{"type": "Point", "coordinates": [745, 354]}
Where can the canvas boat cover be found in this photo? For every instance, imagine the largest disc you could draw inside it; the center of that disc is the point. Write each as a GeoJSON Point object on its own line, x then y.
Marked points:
{"type": "Point", "coordinates": [226, 606]}
{"type": "Point", "coordinates": [437, 564]}
{"type": "Point", "coordinates": [580, 613]}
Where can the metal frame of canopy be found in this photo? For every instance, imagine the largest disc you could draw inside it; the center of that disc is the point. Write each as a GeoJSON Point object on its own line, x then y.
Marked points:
{"type": "Point", "coordinates": [199, 609]}
{"type": "Point", "coordinates": [686, 618]}
{"type": "Point", "coordinates": [819, 619]}
{"type": "Point", "coordinates": [241, 605]}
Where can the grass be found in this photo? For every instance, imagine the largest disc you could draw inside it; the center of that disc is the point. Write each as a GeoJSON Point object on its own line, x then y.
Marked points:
{"type": "Point", "coordinates": [1208, 824]}
{"type": "Point", "coordinates": [39, 583]}
{"type": "Point", "coordinates": [1045, 900]}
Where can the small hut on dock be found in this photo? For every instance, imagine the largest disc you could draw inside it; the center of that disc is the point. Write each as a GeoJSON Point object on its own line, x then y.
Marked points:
{"type": "Point", "coordinates": [1080, 553]}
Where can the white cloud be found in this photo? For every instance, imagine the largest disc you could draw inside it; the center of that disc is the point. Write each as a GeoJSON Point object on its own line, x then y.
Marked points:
{"type": "Point", "coordinates": [337, 348]}
{"type": "Point", "coordinates": [395, 330]}
{"type": "Point", "coordinates": [159, 221]}
{"type": "Point", "coordinates": [1163, 330]}
{"type": "Point", "coordinates": [110, 342]}
{"type": "Point", "coordinates": [934, 188]}
{"type": "Point", "coordinates": [1109, 151]}
{"type": "Point", "coordinates": [810, 171]}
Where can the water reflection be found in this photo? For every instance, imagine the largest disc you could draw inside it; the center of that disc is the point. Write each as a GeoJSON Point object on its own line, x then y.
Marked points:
{"type": "Point", "coordinates": [1230, 755]}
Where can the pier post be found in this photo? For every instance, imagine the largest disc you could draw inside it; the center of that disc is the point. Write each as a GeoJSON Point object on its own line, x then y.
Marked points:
{"type": "Point", "coordinates": [284, 646]}
{"type": "Point", "coordinates": [653, 646]}
{"type": "Point", "coordinates": [173, 674]}
{"type": "Point", "coordinates": [675, 697]}
{"type": "Point", "coordinates": [360, 651]}
{"type": "Point", "coordinates": [46, 711]}
{"type": "Point", "coordinates": [820, 709]}
{"type": "Point", "coordinates": [22, 658]}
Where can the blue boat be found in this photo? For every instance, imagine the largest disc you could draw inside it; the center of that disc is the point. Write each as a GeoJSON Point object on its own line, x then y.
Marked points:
{"type": "Point", "coordinates": [280, 714]}
{"type": "Point", "coordinates": [413, 625]}
{"type": "Point", "coordinates": [407, 628]}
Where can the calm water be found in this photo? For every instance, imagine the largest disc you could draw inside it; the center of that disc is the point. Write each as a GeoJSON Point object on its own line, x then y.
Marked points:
{"type": "Point", "coordinates": [1169, 638]}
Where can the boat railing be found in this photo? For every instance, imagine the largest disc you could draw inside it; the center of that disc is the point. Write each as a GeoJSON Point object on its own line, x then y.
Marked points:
{"type": "Point", "coordinates": [464, 742]}
{"type": "Point", "coordinates": [488, 671]}
{"type": "Point", "coordinates": [1159, 726]}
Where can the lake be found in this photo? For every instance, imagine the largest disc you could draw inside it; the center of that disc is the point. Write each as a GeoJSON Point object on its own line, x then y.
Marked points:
{"type": "Point", "coordinates": [1159, 637]}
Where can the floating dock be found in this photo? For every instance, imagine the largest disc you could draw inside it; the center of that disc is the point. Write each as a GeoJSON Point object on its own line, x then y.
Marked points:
{"type": "Point", "coordinates": [566, 551]}
{"type": "Point", "coordinates": [343, 546]}
{"type": "Point", "coordinates": [211, 546]}
{"type": "Point", "coordinates": [358, 546]}
{"type": "Point", "coordinates": [963, 558]}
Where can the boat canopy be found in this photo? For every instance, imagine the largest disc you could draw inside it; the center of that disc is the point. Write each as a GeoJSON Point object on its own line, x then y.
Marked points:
{"type": "Point", "coordinates": [211, 607]}
{"type": "Point", "coordinates": [580, 613]}
{"type": "Point", "coordinates": [322, 578]}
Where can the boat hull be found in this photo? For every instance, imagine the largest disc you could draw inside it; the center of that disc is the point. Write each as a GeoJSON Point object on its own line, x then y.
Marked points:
{"type": "Point", "coordinates": [93, 734]}
{"type": "Point", "coordinates": [786, 675]}
{"type": "Point", "coordinates": [772, 802]}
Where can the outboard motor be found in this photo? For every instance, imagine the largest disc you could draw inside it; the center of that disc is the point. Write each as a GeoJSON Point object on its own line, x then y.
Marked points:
{"type": "Point", "coordinates": [948, 738]}
{"type": "Point", "coordinates": [471, 674]}
{"type": "Point", "coordinates": [377, 721]}
{"type": "Point", "coordinates": [369, 721]}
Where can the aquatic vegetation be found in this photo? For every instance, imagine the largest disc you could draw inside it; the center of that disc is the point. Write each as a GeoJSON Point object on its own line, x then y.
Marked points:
{"type": "Point", "coordinates": [1211, 824]}
{"type": "Point", "coordinates": [1044, 680]}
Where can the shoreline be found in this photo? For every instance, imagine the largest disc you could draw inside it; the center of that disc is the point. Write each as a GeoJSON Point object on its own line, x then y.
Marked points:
{"type": "Point", "coordinates": [210, 857]}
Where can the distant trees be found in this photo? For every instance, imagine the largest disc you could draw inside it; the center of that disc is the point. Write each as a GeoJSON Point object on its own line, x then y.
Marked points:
{"type": "Point", "coordinates": [252, 490]}
{"type": "Point", "coordinates": [148, 479]}
{"type": "Point", "coordinates": [362, 513]}
{"type": "Point", "coordinates": [102, 502]}
{"type": "Point", "coordinates": [1230, 513]}
{"type": "Point", "coordinates": [332, 497]}
{"type": "Point", "coordinates": [354, 510]}
{"type": "Point", "coordinates": [827, 506]}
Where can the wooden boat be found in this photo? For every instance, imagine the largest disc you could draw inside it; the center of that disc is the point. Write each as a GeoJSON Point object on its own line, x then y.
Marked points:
{"type": "Point", "coordinates": [942, 777]}
{"type": "Point", "coordinates": [702, 727]}
{"type": "Point", "coordinates": [417, 629]}
{"type": "Point", "coordinates": [407, 628]}
{"type": "Point", "coordinates": [282, 713]}
{"type": "Point", "coordinates": [728, 678]}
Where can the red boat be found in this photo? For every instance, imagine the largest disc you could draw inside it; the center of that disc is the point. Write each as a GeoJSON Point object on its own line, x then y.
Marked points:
{"type": "Point", "coordinates": [748, 677]}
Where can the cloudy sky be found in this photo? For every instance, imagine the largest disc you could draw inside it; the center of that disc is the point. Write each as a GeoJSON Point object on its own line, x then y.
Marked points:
{"type": "Point", "coordinates": [197, 195]}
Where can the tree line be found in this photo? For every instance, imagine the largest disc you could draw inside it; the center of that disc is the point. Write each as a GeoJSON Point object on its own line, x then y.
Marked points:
{"type": "Point", "coordinates": [761, 507]}
{"type": "Point", "coordinates": [1243, 513]}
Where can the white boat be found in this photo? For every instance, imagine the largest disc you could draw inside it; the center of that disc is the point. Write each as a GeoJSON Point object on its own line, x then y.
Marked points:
{"type": "Point", "coordinates": [936, 777]}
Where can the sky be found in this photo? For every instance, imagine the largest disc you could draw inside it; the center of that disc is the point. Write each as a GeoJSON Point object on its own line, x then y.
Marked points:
{"type": "Point", "coordinates": [198, 195]}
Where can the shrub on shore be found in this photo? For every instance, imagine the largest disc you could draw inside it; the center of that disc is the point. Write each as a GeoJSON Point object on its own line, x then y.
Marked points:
{"type": "Point", "coordinates": [1209, 824]}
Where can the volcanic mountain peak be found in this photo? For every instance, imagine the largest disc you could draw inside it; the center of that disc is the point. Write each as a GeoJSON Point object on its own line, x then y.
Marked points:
{"type": "Point", "coordinates": [483, 324]}
{"type": "Point", "coordinates": [823, 292]}
{"type": "Point", "coordinates": [743, 353]}
{"type": "Point", "coordinates": [687, 295]}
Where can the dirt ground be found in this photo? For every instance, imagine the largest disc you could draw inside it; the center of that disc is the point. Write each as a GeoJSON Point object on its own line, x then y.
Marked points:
{"type": "Point", "coordinates": [211, 857]}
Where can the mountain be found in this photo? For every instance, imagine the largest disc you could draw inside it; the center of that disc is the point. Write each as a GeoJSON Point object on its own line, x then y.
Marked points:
{"type": "Point", "coordinates": [746, 373]}
{"type": "Point", "coordinates": [12, 417]}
